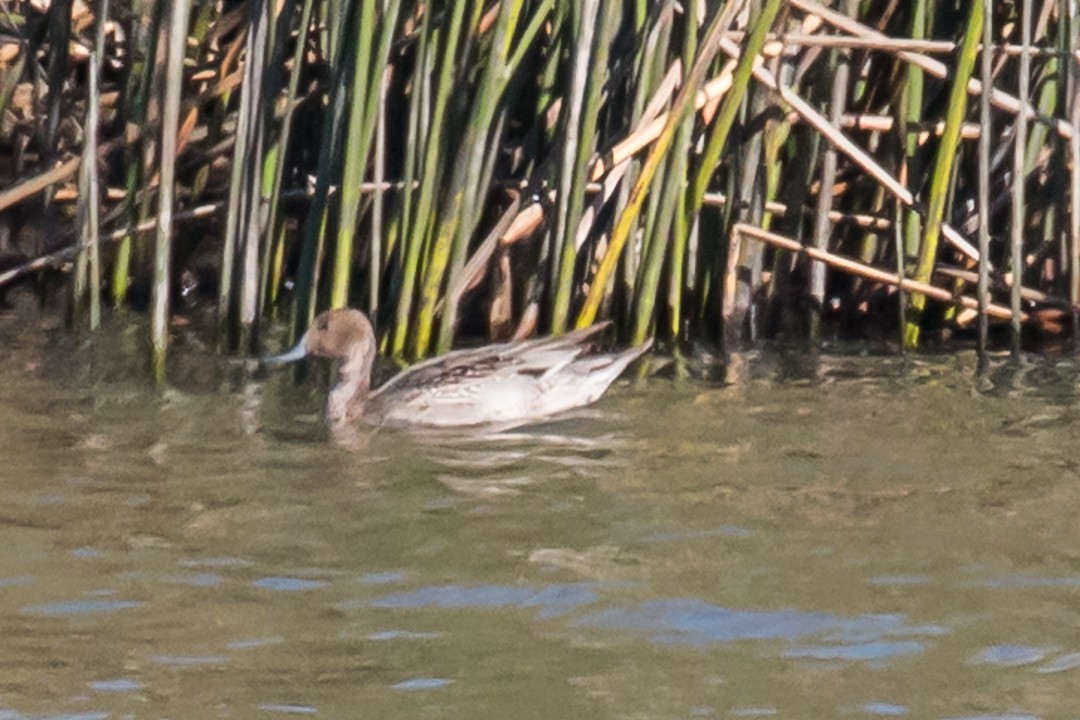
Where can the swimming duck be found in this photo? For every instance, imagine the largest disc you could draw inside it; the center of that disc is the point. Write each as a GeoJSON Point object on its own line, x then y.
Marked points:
{"type": "Point", "coordinates": [507, 384]}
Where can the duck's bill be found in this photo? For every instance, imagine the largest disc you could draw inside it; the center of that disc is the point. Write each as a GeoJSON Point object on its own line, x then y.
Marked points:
{"type": "Point", "coordinates": [297, 353]}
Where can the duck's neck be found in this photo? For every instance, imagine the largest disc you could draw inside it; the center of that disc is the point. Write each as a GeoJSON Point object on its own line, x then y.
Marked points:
{"type": "Point", "coordinates": [346, 399]}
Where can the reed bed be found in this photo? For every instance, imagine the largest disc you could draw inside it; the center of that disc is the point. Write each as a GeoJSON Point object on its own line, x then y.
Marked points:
{"type": "Point", "coordinates": [714, 172]}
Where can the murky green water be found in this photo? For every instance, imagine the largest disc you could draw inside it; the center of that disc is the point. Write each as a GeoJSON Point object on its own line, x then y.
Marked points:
{"type": "Point", "coordinates": [853, 538]}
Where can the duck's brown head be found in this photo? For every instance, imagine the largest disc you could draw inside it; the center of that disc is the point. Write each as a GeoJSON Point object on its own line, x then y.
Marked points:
{"type": "Point", "coordinates": [337, 334]}
{"type": "Point", "coordinates": [340, 334]}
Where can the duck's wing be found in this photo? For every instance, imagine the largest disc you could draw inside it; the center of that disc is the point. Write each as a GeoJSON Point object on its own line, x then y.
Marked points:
{"type": "Point", "coordinates": [462, 367]}
{"type": "Point", "coordinates": [543, 354]}
{"type": "Point", "coordinates": [450, 369]}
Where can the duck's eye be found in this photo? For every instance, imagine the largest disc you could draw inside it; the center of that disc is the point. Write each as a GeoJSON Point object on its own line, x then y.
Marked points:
{"type": "Point", "coordinates": [322, 323]}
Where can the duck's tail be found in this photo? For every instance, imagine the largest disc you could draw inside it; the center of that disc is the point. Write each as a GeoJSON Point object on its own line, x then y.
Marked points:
{"type": "Point", "coordinates": [605, 369]}
{"type": "Point", "coordinates": [585, 379]}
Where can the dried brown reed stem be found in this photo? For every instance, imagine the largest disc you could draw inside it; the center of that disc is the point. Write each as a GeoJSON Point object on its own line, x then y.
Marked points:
{"type": "Point", "coordinates": [867, 272]}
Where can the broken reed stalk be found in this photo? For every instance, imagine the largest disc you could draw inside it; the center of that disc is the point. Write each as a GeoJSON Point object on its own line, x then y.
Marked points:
{"type": "Point", "coordinates": [792, 40]}
{"type": "Point", "coordinates": [1028, 294]}
{"type": "Point", "coordinates": [38, 183]}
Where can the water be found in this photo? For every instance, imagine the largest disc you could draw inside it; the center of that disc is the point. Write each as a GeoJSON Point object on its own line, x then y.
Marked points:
{"type": "Point", "coordinates": [855, 537]}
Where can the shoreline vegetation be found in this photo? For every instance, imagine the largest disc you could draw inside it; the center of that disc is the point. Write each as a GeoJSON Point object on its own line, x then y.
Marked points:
{"type": "Point", "coordinates": [713, 172]}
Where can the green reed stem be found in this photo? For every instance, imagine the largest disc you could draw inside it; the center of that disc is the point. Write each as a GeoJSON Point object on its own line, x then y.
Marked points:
{"type": "Point", "coordinates": [410, 243]}
{"type": "Point", "coordinates": [432, 170]}
{"type": "Point", "coordinates": [483, 135]}
{"type": "Point", "coordinates": [588, 73]}
{"type": "Point", "coordinates": [276, 159]}
{"type": "Point", "coordinates": [137, 84]}
{"type": "Point", "coordinates": [943, 165]}
{"type": "Point", "coordinates": [729, 106]}
{"type": "Point", "coordinates": [357, 148]}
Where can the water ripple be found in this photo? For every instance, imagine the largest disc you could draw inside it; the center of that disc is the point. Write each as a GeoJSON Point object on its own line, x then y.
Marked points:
{"type": "Point", "coordinates": [118, 685]}
{"type": "Point", "coordinates": [885, 709]}
{"type": "Point", "coordinates": [891, 580]}
{"type": "Point", "coordinates": [422, 684]}
{"type": "Point", "coordinates": [254, 643]}
{"type": "Point", "coordinates": [388, 577]}
{"type": "Point", "coordinates": [80, 607]}
{"type": "Point", "coordinates": [189, 660]}
{"type": "Point", "coordinates": [1025, 581]}
{"type": "Point", "coordinates": [1062, 663]}
{"type": "Point", "coordinates": [551, 601]}
{"type": "Point", "coordinates": [385, 635]}
{"type": "Point", "coordinates": [289, 709]}
{"type": "Point", "coordinates": [288, 584]}
{"type": "Point", "coordinates": [1010, 655]}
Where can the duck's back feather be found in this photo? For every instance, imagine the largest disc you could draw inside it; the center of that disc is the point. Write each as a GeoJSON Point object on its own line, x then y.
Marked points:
{"type": "Point", "coordinates": [462, 366]}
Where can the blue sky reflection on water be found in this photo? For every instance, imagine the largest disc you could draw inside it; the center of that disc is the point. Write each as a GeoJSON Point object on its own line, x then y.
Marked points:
{"type": "Point", "coordinates": [693, 622]}
{"type": "Point", "coordinates": [80, 607]}
{"type": "Point", "coordinates": [686, 621]}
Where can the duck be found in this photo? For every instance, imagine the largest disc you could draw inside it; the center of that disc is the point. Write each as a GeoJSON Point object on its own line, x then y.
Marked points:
{"type": "Point", "coordinates": [508, 384]}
